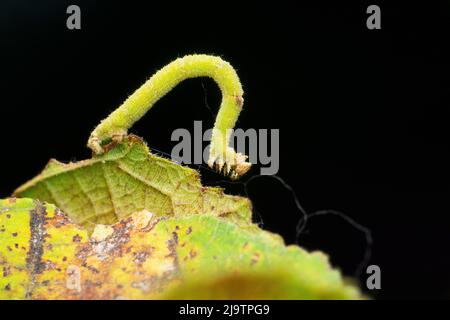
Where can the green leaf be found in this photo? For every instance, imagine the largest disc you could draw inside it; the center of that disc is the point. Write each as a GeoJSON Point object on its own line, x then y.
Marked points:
{"type": "Point", "coordinates": [128, 179]}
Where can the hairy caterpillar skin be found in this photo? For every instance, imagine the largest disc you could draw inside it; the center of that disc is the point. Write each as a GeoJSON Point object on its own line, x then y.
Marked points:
{"type": "Point", "coordinates": [222, 157]}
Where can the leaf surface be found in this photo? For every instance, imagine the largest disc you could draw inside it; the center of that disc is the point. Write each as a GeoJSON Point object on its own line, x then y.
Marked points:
{"type": "Point", "coordinates": [128, 179]}
{"type": "Point", "coordinates": [44, 255]}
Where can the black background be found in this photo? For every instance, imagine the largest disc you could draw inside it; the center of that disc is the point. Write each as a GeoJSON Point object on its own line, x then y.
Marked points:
{"type": "Point", "coordinates": [363, 114]}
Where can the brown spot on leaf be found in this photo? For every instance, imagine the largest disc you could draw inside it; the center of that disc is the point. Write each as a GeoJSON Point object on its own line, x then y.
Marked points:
{"type": "Point", "coordinates": [8, 287]}
{"type": "Point", "coordinates": [189, 230]}
{"type": "Point", "coordinates": [239, 101]}
{"type": "Point", "coordinates": [175, 237]}
{"type": "Point", "coordinates": [140, 257]}
{"type": "Point", "coordinates": [14, 234]}
{"type": "Point", "coordinates": [60, 219]}
{"type": "Point", "coordinates": [93, 269]}
{"type": "Point", "coordinates": [192, 253]}
{"type": "Point", "coordinates": [172, 246]}
{"type": "Point", "coordinates": [6, 271]}
{"type": "Point", "coordinates": [225, 214]}
{"type": "Point", "coordinates": [77, 238]}
{"type": "Point", "coordinates": [255, 258]}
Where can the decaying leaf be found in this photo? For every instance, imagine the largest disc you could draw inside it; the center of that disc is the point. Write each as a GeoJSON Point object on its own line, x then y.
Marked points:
{"type": "Point", "coordinates": [44, 255]}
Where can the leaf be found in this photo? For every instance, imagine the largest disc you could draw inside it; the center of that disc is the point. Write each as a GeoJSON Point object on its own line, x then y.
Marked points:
{"type": "Point", "coordinates": [129, 224]}
{"type": "Point", "coordinates": [128, 179]}
{"type": "Point", "coordinates": [44, 255]}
